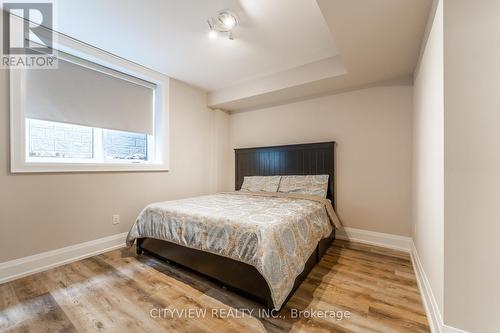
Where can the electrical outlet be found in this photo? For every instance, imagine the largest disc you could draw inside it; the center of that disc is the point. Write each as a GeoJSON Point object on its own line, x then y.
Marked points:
{"type": "Point", "coordinates": [116, 219]}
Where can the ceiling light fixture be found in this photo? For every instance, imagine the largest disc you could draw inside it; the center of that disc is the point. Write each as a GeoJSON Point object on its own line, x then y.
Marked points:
{"type": "Point", "coordinates": [224, 22]}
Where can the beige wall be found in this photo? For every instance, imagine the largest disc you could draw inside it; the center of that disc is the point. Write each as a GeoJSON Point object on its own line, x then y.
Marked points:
{"type": "Point", "coordinates": [472, 164]}
{"type": "Point", "coordinates": [40, 212]}
{"type": "Point", "coordinates": [428, 157]}
{"type": "Point", "coordinates": [221, 149]}
{"type": "Point", "coordinates": [373, 130]}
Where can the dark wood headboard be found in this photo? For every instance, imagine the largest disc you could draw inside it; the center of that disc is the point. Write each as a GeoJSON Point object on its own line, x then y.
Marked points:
{"type": "Point", "coordinates": [301, 159]}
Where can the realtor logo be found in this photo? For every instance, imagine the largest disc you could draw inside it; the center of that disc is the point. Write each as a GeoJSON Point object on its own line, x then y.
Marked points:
{"type": "Point", "coordinates": [27, 35]}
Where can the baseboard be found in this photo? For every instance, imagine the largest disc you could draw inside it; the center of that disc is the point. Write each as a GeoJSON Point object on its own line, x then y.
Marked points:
{"type": "Point", "coordinates": [449, 329]}
{"type": "Point", "coordinates": [15, 269]}
{"type": "Point", "coordinates": [395, 242]}
{"type": "Point", "coordinates": [430, 304]}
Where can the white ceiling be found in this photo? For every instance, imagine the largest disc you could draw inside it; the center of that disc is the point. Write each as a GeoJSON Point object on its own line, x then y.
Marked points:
{"type": "Point", "coordinates": [171, 36]}
{"type": "Point", "coordinates": [377, 40]}
{"type": "Point", "coordinates": [283, 49]}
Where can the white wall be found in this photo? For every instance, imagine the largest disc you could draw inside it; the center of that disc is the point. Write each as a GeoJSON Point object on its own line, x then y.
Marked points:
{"type": "Point", "coordinates": [41, 212]}
{"type": "Point", "coordinates": [372, 128]}
{"type": "Point", "coordinates": [472, 164]}
{"type": "Point", "coordinates": [428, 156]}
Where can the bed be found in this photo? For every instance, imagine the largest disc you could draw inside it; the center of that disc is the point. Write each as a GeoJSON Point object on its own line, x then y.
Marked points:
{"type": "Point", "coordinates": [260, 244]}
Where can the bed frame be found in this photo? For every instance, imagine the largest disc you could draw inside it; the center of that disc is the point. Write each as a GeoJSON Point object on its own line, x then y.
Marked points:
{"type": "Point", "coordinates": [301, 159]}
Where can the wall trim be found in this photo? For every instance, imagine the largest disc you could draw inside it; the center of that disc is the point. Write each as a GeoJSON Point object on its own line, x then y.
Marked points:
{"type": "Point", "coordinates": [391, 241]}
{"type": "Point", "coordinates": [18, 268]}
{"type": "Point", "coordinates": [449, 329]}
{"type": "Point", "coordinates": [430, 304]}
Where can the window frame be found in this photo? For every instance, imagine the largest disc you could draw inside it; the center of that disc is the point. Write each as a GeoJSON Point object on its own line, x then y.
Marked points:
{"type": "Point", "coordinates": [18, 131]}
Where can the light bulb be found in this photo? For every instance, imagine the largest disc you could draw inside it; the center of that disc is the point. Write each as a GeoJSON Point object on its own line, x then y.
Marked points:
{"type": "Point", "coordinates": [212, 34]}
{"type": "Point", "coordinates": [229, 21]}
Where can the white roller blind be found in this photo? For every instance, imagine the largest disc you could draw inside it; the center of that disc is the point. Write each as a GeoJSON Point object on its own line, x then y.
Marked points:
{"type": "Point", "coordinates": [84, 93]}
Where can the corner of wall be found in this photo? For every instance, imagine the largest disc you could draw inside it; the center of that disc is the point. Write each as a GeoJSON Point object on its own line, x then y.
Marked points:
{"type": "Point", "coordinates": [220, 150]}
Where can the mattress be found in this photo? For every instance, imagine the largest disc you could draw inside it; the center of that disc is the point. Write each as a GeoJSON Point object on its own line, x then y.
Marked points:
{"type": "Point", "coordinates": [274, 232]}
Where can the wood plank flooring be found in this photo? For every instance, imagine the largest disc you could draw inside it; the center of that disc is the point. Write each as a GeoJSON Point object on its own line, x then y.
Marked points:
{"type": "Point", "coordinates": [365, 288]}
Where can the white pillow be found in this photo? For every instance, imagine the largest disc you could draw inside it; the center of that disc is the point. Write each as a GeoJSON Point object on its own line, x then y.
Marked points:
{"type": "Point", "coordinates": [310, 184]}
{"type": "Point", "coordinates": [261, 183]}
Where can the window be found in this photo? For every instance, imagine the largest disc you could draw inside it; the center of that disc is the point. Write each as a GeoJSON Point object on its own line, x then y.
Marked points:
{"type": "Point", "coordinates": [53, 142]}
{"type": "Point", "coordinates": [127, 146]}
{"type": "Point", "coordinates": [92, 113]}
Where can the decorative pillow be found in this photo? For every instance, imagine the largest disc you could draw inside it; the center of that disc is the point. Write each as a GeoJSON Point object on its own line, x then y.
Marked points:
{"type": "Point", "coordinates": [261, 183]}
{"type": "Point", "coordinates": [311, 184]}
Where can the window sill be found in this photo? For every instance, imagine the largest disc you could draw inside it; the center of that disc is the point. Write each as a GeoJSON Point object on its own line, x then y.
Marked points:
{"type": "Point", "coordinates": [83, 168]}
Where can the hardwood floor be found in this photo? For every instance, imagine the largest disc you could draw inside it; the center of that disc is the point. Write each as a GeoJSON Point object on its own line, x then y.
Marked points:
{"type": "Point", "coordinates": [120, 292]}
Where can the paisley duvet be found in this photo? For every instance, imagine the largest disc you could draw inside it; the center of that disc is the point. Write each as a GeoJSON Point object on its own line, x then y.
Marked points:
{"type": "Point", "coordinates": [274, 232]}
